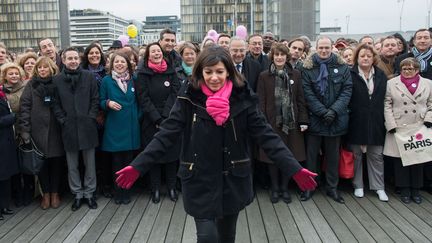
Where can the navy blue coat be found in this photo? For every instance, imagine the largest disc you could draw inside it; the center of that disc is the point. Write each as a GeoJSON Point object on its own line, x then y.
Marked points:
{"type": "Point", "coordinates": [336, 97]}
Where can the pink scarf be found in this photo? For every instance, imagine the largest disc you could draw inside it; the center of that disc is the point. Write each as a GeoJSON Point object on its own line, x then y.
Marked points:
{"type": "Point", "coordinates": [217, 104]}
{"type": "Point", "coordinates": [411, 83]}
{"type": "Point", "coordinates": [158, 67]}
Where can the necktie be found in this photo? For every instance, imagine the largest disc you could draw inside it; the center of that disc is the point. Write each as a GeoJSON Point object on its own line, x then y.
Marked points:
{"type": "Point", "coordinates": [238, 66]}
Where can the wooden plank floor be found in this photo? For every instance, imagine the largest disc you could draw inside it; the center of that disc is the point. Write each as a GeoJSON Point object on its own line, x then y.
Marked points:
{"type": "Point", "coordinates": [318, 220]}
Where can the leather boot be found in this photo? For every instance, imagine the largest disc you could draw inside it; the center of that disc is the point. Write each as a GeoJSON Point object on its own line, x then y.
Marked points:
{"type": "Point", "coordinates": [45, 203]}
{"type": "Point", "coordinates": [55, 200]}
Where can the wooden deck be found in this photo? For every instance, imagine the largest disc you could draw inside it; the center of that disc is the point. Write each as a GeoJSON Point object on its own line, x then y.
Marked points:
{"type": "Point", "coordinates": [318, 220]}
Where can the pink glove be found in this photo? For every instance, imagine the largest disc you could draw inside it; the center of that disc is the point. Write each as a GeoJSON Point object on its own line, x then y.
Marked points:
{"type": "Point", "coordinates": [305, 180]}
{"type": "Point", "coordinates": [127, 176]}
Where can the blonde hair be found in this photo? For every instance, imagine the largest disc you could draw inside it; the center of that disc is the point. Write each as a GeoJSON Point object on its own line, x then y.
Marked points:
{"type": "Point", "coordinates": [10, 65]}
{"type": "Point", "coordinates": [45, 61]}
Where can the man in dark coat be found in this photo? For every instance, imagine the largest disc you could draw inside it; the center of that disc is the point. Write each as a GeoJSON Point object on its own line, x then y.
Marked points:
{"type": "Point", "coordinates": [327, 89]}
{"type": "Point", "coordinates": [167, 41]}
{"type": "Point", "coordinates": [256, 51]}
{"type": "Point", "coordinates": [246, 66]}
{"type": "Point", "coordinates": [422, 51]}
{"type": "Point", "coordinates": [76, 111]}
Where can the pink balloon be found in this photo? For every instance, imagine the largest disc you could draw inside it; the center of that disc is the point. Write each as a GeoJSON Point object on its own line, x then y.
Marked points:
{"type": "Point", "coordinates": [124, 39]}
{"type": "Point", "coordinates": [241, 32]}
{"type": "Point", "coordinates": [212, 33]}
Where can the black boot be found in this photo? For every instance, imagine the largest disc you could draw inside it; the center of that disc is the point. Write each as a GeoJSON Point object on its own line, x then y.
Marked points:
{"type": "Point", "coordinates": [173, 195]}
{"type": "Point", "coordinates": [156, 196]}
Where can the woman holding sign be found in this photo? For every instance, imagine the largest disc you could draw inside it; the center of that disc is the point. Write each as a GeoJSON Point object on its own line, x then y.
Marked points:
{"type": "Point", "coordinates": [408, 101]}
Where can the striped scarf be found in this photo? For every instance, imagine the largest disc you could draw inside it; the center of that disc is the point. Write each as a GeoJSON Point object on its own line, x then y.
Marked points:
{"type": "Point", "coordinates": [422, 58]}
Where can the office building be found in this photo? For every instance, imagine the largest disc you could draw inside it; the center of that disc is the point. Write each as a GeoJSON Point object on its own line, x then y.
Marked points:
{"type": "Point", "coordinates": [153, 25]}
{"type": "Point", "coordinates": [284, 18]}
{"type": "Point", "coordinates": [23, 23]}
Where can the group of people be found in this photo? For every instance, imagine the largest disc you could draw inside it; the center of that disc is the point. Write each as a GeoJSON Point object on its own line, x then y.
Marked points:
{"type": "Point", "coordinates": [212, 115]}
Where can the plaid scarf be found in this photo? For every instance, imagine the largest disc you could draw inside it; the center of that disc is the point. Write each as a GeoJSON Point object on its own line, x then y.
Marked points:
{"type": "Point", "coordinates": [422, 58]}
{"type": "Point", "coordinates": [283, 99]}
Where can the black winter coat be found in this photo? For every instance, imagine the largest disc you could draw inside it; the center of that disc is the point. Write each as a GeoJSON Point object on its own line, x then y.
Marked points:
{"type": "Point", "coordinates": [251, 70]}
{"type": "Point", "coordinates": [76, 110]}
{"type": "Point", "coordinates": [336, 97]}
{"type": "Point", "coordinates": [37, 119]}
{"type": "Point", "coordinates": [156, 93]}
{"type": "Point", "coordinates": [8, 149]}
{"type": "Point", "coordinates": [366, 120]}
{"type": "Point", "coordinates": [215, 167]}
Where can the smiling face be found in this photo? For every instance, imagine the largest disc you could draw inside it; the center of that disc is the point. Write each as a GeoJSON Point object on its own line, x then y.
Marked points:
{"type": "Point", "coordinates": [120, 64]}
{"type": "Point", "coordinates": [71, 60]}
{"type": "Point", "coordinates": [279, 59]}
{"type": "Point", "coordinates": [168, 42]}
{"type": "Point", "coordinates": [3, 58]}
{"type": "Point", "coordinates": [215, 76]}
{"type": "Point", "coordinates": [155, 54]}
{"type": "Point", "coordinates": [256, 45]}
{"type": "Point", "coordinates": [409, 71]}
{"type": "Point", "coordinates": [238, 51]}
{"type": "Point", "coordinates": [94, 56]}
{"type": "Point", "coordinates": [422, 40]}
{"type": "Point", "coordinates": [12, 76]}
{"type": "Point", "coordinates": [28, 65]}
{"type": "Point", "coordinates": [189, 56]}
{"type": "Point", "coordinates": [324, 48]}
{"type": "Point", "coordinates": [48, 48]}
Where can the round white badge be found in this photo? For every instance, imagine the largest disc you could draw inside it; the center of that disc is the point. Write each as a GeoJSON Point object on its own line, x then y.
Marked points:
{"type": "Point", "coordinates": [167, 84]}
{"type": "Point", "coordinates": [335, 70]}
{"type": "Point", "coordinates": [414, 85]}
{"type": "Point", "coordinates": [132, 89]}
{"type": "Point", "coordinates": [291, 81]}
{"type": "Point", "coordinates": [430, 63]}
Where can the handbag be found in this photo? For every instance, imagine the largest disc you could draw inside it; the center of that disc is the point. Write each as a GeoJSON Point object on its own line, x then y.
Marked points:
{"type": "Point", "coordinates": [414, 142]}
{"type": "Point", "coordinates": [346, 163]}
{"type": "Point", "coordinates": [31, 159]}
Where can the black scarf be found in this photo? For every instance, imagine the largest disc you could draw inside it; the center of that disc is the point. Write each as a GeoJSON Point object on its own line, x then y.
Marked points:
{"type": "Point", "coordinates": [283, 99]}
{"type": "Point", "coordinates": [72, 77]}
{"type": "Point", "coordinates": [44, 87]}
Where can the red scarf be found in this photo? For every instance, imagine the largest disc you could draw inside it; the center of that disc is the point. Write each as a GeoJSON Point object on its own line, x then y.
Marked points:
{"type": "Point", "coordinates": [217, 104]}
{"type": "Point", "coordinates": [158, 67]}
{"type": "Point", "coordinates": [411, 83]}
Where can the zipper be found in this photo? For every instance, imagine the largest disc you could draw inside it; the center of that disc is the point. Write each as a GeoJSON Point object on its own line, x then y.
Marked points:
{"type": "Point", "coordinates": [189, 164]}
{"type": "Point", "coordinates": [234, 130]}
{"type": "Point", "coordinates": [195, 104]}
{"type": "Point", "coordinates": [234, 162]}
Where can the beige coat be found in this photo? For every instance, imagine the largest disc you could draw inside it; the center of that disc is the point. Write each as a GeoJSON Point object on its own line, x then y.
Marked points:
{"type": "Point", "coordinates": [402, 108]}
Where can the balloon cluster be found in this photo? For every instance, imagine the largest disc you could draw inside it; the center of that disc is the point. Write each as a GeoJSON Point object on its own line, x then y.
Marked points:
{"type": "Point", "coordinates": [124, 39]}
{"type": "Point", "coordinates": [212, 34]}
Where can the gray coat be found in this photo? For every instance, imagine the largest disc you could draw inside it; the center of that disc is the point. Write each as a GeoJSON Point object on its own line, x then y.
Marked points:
{"type": "Point", "coordinates": [401, 107]}
{"type": "Point", "coordinates": [38, 120]}
{"type": "Point", "coordinates": [76, 110]}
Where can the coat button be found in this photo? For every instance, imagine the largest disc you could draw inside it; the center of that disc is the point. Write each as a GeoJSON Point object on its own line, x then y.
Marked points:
{"type": "Point", "coordinates": [402, 95]}
{"type": "Point", "coordinates": [406, 112]}
{"type": "Point", "coordinates": [225, 149]}
{"type": "Point", "coordinates": [415, 103]}
{"type": "Point", "coordinates": [405, 103]}
{"type": "Point", "coordinates": [414, 111]}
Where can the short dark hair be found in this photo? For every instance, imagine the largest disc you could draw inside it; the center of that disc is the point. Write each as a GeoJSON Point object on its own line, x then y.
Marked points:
{"type": "Point", "coordinates": [211, 56]}
{"type": "Point", "coordinates": [71, 48]}
{"type": "Point", "coordinates": [166, 31]}
{"type": "Point", "coordinates": [85, 61]}
{"type": "Point", "coordinates": [306, 46]}
{"type": "Point", "coordinates": [410, 61]}
{"type": "Point", "coordinates": [224, 35]}
{"type": "Point", "coordinates": [125, 56]}
{"type": "Point", "coordinates": [254, 35]}
{"type": "Point", "coordinates": [42, 39]}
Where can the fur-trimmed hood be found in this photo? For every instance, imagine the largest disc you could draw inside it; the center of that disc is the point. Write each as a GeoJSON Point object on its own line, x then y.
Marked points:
{"type": "Point", "coordinates": [309, 64]}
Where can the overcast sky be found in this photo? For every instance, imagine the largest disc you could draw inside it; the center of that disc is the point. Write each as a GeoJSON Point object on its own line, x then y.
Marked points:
{"type": "Point", "coordinates": [365, 16]}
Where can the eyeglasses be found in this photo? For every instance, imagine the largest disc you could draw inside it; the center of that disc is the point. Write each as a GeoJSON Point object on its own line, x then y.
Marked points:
{"type": "Point", "coordinates": [408, 69]}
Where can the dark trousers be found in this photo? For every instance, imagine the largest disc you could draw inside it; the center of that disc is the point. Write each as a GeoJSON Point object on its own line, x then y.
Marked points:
{"type": "Point", "coordinates": [23, 188]}
{"type": "Point", "coordinates": [5, 193]}
{"type": "Point", "coordinates": [279, 181]}
{"type": "Point", "coordinates": [119, 161]}
{"type": "Point", "coordinates": [427, 169]}
{"type": "Point", "coordinates": [170, 175]}
{"type": "Point", "coordinates": [50, 174]}
{"type": "Point", "coordinates": [408, 176]}
{"type": "Point", "coordinates": [331, 156]}
{"type": "Point", "coordinates": [104, 168]}
{"type": "Point", "coordinates": [220, 230]}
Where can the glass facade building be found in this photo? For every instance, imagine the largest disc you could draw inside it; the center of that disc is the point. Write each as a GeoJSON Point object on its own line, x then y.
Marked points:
{"type": "Point", "coordinates": [285, 18]}
{"type": "Point", "coordinates": [24, 22]}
